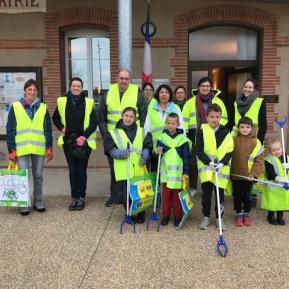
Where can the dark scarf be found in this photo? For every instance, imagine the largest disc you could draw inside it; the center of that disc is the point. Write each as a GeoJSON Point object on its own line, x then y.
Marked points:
{"type": "Point", "coordinates": [76, 99]}
{"type": "Point", "coordinates": [201, 98]}
{"type": "Point", "coordinates": [244, 103]}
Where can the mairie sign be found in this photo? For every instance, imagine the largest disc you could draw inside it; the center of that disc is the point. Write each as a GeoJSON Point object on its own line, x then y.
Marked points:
{"type": "Point", "coordinates": [22, 6]}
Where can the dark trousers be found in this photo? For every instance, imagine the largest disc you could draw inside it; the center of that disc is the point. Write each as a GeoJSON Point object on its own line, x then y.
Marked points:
{"type": "Point", "coordinates": [242, 195]}
{"type": "Point", "coordinates": [193, 174]}
{"type": "Point", "coordinates": [207, 188]}
{"type": "Point", "coordinates": [77, 174]}
{"type": "Point", "coordinates": [112, 176]}
{"type": "Point", "coordinates": [170, 200]}
{"type": "Point", "coordinates": [154, 162]}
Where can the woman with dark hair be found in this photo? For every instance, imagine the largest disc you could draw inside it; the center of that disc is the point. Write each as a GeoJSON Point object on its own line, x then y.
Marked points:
{"type": "Point", "coordinates": [249, 103]}
{"type": "Point", "coordinates": [29, 137]}
{"type": "Point", "coordinates": [75, 118]}
{"type": "Point", "coordinates": [157, 114]}
{"type": "Point", "coordinates": [180, 97]}
{"type": "Point", "coordinates": [194, 113]}
{"type": "Point", "coordinates": [148, 91]}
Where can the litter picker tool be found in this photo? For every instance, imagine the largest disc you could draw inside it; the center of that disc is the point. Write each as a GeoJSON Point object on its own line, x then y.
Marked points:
{"type": "Point", "coordinates": [154, 216]}
{"type": "Point", "coordinates": [285, 186]}
{"type": "Point", "coordinates": [127, 218]}
{"type": "Point", "coordinates": [222, 248]}
{"type": "Point", "coordinates": [281, 123]}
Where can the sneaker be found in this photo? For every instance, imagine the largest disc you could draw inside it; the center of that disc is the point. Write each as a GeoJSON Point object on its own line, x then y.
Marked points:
{"type": "Point", "coordinates": [24, 211]}
{"type": "Point", "coordinates": [109, 203]}
{"type": "Point", "coordinates": [165, 220]}
{"type": "Point", "coordinates": [38, 206]}
{"type": "Point", "coordinates": [205, 223]}
{"type": "Point", "coordinates": [80, 204]}
{"type": "Point", "coordinates": [72, 205]}
{"type": "Point", "coordinates": [177, 221]}
{"type": "Point", "coordinates": [247, 220]}
{"type": "Point", "coordinates": [222, 223]}
{"type": "Point", "coordinates": [239, 221]}
{"type": "Point", "coordinates": [281, 222]}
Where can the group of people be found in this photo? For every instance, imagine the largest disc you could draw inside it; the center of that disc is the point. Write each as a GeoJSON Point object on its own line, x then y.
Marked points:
{"type": "Point", "coordinates": [189, 135]}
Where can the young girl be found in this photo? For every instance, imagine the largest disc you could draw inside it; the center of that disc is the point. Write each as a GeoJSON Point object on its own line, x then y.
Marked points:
{"type": "Point", "coordinates": [174, 167]}
{"type": "Point", "coordinates": [275, 199]}
{"type": "Point", "coordinates": [127, 140]}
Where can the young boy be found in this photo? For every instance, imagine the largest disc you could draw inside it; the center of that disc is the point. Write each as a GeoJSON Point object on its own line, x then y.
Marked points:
{"type": "Point", "coordinates": [174, 146]}
{"type": "Point", "coordinates": [275, 199]}
{"type": "Point", "coordinates": [247, 161]}
{"type": "Point", "coordinates": [214, 147]}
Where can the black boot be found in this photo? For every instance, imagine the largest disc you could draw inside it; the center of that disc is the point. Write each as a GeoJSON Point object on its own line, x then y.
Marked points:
{"type": "Point", "coordinates": [165, 220]}
{"type": "Point", "coordinates": [140, 218]}
{"type": "Point", "coordinates": [271, 218]}
{"type": "Point", "coordinates": [280, 219]}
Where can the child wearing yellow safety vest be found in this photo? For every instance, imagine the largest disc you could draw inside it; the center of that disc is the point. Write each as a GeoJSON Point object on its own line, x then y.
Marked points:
{"type": "Point", "coordinates": [275, 199]}
{"type": "Point", "coordinates": [174, 146]}
{"type": "Point", "coordinates": [214, 147]}
{"type": "Point", "coordinates": [247, 161]}
{"type": "Point", "coordinates": [127, 140]}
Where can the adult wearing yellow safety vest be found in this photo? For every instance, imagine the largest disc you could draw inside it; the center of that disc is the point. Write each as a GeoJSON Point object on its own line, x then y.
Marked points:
{"type": "Point", "coordinates": [29, 136]}
{"type": "Point", "coordinates": [194, 114]}
{"type": "Point", "coordinates": [158, 111]}
{"type": "Point", "coordinates": [249, 103]}
{"type": "Point", "coordinates": [75, 118]}
{"type": "Point", "coordinates": [119, 96]}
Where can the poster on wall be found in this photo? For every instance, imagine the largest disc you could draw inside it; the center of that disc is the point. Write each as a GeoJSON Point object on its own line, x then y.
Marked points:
{"type": "Point", "coordinates": [12, 82]}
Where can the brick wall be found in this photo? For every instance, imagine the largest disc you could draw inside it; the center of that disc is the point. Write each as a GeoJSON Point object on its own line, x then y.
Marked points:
{"type": "Point", "coordinates": [52, 81]}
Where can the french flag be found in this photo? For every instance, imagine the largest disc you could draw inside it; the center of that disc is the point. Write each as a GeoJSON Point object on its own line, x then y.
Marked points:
{"type": "Point", "coordinates": [147, 60]}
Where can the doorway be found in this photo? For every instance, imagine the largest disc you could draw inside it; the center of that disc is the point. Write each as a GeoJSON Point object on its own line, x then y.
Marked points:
{"type": "Point", "coordinates": [226, 54]}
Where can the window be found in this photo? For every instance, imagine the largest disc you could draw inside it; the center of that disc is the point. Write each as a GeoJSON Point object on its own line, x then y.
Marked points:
{"type": "Point", "coordinates": [87, 55]}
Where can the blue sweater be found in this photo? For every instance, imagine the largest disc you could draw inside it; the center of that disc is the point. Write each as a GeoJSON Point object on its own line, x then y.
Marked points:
{"type": "Point", "coordinates": [11, 124]}
{"type": "Point", "coordinates": [183, 150]}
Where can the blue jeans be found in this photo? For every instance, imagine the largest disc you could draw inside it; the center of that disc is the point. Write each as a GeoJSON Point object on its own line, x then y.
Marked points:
{"type": "Point", "coordinates": [37, 172]}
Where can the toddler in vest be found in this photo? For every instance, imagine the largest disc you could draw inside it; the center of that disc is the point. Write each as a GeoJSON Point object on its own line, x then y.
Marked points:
{"type": "Point", "coordinates": [247, 161]}
{"type": "Point", "coordinates": [127, 140]}
{"type": "Point", "coordinates": [175, 150]}
{"type": "Point", "coordinates": [214, 148]}
{"type": "Point", "coordinates": [275, 199]}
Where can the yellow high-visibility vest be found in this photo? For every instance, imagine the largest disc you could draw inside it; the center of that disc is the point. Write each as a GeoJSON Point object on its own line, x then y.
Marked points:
{"type": "Point", "coordinates": [30, 138]}
{"type": "Point", "coordinates": [115, 107]}
{"type": "Point", "coordinates": [89, 104]}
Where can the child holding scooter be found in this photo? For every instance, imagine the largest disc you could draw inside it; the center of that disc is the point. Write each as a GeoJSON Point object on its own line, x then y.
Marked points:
{"type": "Point", "coordinates": [174, 146]}
{"type": "Point", "coordinates": [128, 142]}
{"type": "Point", "coordinates": [275, 199]}
{"type": "Point", "coordinates": [214, 147]}
{"type": "Point", "coordinates": [247, 161]}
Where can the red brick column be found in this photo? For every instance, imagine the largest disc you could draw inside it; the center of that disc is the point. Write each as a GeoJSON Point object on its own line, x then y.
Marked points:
{"type": "Point", "coordinates": [250, 17]}
{"type": "Point", "coordinates": [75, 16]}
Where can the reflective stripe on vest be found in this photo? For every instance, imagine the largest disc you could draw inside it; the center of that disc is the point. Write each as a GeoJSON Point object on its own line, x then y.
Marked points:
{"type": "Point", "coordinates": [190, 114]}
{"type": "Point", "coordinates": [172, 164]}
{"type": "Point", "coordinates": [252, 113]}
{"type": "Point", "coordinates": [115, 107]}
{"type": "Point", "coordinates": [89, 104]}
{"type": "Point", "coordinates": [258, 150]}
{"type": "Point", "coordinates": [120, 166]}
{"type": "Point", "coordinates": [206, 173]}
{"type": "Point", "coordinates": [30, 138]}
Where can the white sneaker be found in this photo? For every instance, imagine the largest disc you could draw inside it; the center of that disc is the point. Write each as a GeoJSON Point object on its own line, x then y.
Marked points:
{"type": "Point", "coordinates": [223, 225]}
{"type": "Point", "coordinates": [205, 223]}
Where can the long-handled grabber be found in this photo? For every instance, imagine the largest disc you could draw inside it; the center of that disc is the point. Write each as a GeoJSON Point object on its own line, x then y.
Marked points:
{"type": "Point", "coordinates": [127, 218]}
{"type": "Point", "coordinates": [281, 123]}
{"type": "Point", "coordinates": [284, 186]}
{"type": "Point", "coordinates": [154, 216]}
{"type": "Point", "coordinates": [222, 248]}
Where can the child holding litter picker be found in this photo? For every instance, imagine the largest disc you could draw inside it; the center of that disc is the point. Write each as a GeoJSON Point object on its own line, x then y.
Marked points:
{"type": "Point", "coordinates": [275, 199]}
{"type": "Point", "coordinates": [128, 140]}
{"type": "Point", "coordinates": [174, 146]}
{"type": "Point", "coordinates": [214, 147]}
{"type": "Point", "coordinates": [247, 161]}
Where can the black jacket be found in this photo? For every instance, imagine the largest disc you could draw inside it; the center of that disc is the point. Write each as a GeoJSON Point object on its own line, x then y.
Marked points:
{"type": "Point", "coordinates": [102, 112]}
{"type": "Point", "coordinates": [130, 131]}
{"type": "Point", "coordinates": [74, 117]}
{"type": "Point", "coordinates": [220, 135]}
{"type": "Point", "coordinates": [270, 171]}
